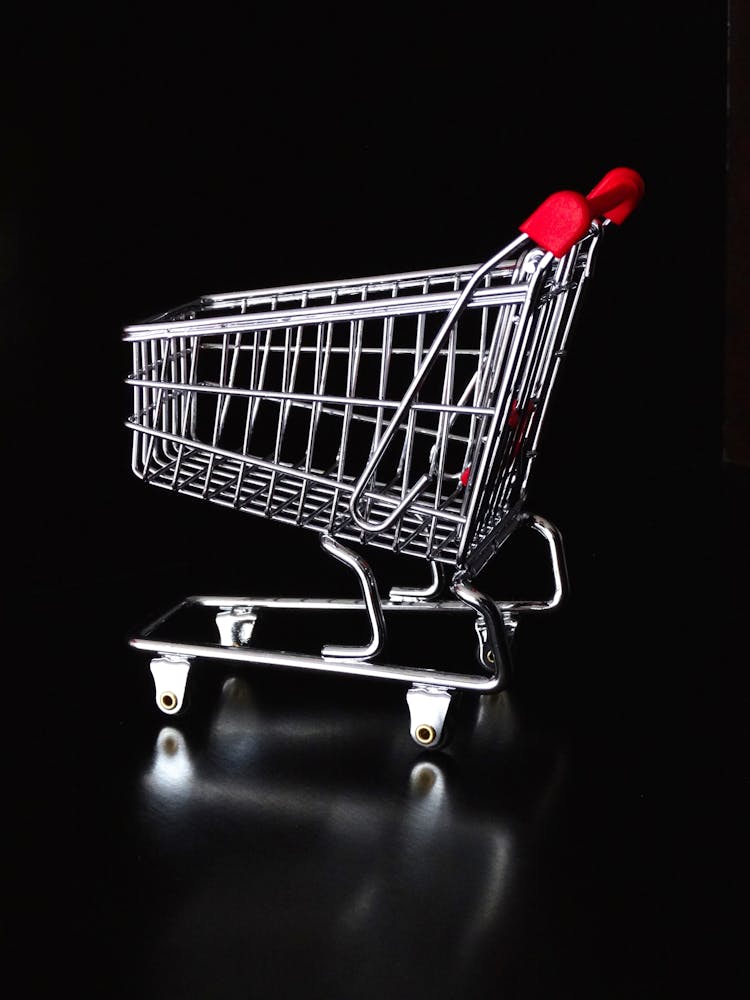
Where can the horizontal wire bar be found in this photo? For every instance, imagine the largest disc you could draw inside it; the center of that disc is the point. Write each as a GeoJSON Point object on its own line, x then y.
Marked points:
{"type": "Point", "coordinates": [312, 315]}
{"type": "Point", "coordinates": [352, 286]}
{"type": "Point", "coordinates": [311, 397]}
{"type": "Point", "coordinates": [344, 349]}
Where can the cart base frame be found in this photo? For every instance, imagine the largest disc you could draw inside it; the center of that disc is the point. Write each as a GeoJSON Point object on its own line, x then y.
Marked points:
{"type": "Point", "coordinates": [430, 690]}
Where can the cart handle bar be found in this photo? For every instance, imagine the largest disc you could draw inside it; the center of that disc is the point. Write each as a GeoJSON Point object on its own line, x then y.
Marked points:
{"type": "Point", "coordinates": [424, 481]}
{"type": "Point", "coordinates": [565, 217]}
{"type": "Point", "coordinates": [559, 222]}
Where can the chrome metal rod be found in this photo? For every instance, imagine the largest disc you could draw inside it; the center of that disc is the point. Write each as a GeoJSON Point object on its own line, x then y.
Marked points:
{"type": "Point", "coordinates": [372, 603]}
{"type": "Point", "coordinates": [499, 661]}
{"type": "Point", "coordinates": [454, 409]}
{"type": "Point", "coordinates": [312, 315]}
{"type": "Point", "coordinates": [432, 590]}
{"type": "Point", "coordinates": [327, 664]}
{"type": "Point", "coordinates": [416, 384]}
{"type": "Point", "coordinates": [554, 540]}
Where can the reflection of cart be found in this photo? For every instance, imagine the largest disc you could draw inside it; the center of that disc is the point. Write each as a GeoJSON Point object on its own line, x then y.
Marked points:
{"type": "Point", "coordinates": [400, 411]}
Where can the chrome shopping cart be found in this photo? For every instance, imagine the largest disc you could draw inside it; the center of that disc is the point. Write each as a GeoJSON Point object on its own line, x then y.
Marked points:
{"type": "Point", "coordinates": [401, 411]}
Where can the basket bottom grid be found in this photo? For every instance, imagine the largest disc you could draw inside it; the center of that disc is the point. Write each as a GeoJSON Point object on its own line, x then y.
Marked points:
{"type": "Point", "coordinates": [322, 506]}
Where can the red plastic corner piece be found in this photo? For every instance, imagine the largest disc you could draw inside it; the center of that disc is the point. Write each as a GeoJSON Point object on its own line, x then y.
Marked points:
{"type": "Point", "coordinates": [616, 194]}
{"type": "Point", "coordinates": [559, 222]}
{"type": "Point", "coordinates": [465, 476]}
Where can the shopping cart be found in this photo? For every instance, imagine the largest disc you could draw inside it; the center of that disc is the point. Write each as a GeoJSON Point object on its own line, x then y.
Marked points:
{"type": "Point", "coordinates": [401, 412]}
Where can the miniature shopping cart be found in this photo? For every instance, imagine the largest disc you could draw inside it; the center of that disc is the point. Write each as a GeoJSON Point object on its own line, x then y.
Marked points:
{"type": "Point", "coordinates": [401, 412]}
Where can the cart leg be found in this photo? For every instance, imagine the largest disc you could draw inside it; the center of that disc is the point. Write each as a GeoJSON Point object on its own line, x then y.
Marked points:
{"type": "Point", "coordinates": [554, 540]}
{"type": "Point", "coordinates": [494, 652]}
{"type": "Point", "coordinates": [428, 707]}
{"type": "Point", "coordinates": [372, 602]}
{"type": "Point", "coordinates": [480, 626]}
{"type": "Point", "coordinates": [170, 678]}
{"type": "Point", "coordinates": [236, 625]}
{"type": "Point", "coordinates": [432, 590]}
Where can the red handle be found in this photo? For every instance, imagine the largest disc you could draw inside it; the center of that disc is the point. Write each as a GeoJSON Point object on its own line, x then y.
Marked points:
{"type": "Point", "coordinates": [564, 218]}
{"type": "Point", "coordinates": [616, 194]}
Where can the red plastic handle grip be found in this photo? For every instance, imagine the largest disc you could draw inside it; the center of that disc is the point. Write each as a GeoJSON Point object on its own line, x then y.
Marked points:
{"type": "Point", "coordinates": [564, 218]}
{"type": "Point", "coordinates": [616, 194]}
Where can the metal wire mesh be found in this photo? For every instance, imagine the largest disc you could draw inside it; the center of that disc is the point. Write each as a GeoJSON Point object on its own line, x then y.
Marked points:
{"type": "Point", "coordinates": [273, 401]}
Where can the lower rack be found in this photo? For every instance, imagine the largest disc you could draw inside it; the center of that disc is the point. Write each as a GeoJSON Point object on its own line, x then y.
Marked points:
{"type": "Point", "coordinates": [430, 690]}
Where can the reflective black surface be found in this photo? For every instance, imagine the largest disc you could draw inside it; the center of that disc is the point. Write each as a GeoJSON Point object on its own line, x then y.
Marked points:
{"type": "Point", "coordinates": [286, 835]}
{"type": "Point", "coordinates": [583, 833]}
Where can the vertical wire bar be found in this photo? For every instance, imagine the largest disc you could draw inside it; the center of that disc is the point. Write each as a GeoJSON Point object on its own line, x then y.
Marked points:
{"type": "Point", "coordinates": [292, 377]}
{"type": "Point", "coordinates": [174, 398]}
{"type": "Point", "coordinates": [147, 399]}
{"type": "Point", "coordinates": [385, 362]}
{"type": "Point", "coordinates": [538, 376]}
{"type": "Point", "coordinates": [500, 345]}
{"type": "Point", "coordinates": [265, 355]}
{"type": "Point", "coordinates": [484, 323]}
{"type": "Point", "coordinates": [195, 351]}
{"type": "Point", "coordinates": [499, 491]}
{"type": "Point", "coordinates": [550, 314]}
{"type": "Point", "coordinates": [165, 400]}
{"type": "Point", "coordinates": [472, 385]}
{"type": "Point", "coordinates": [501, 482]}
{"type": "Point", "coordinates": [235, 349]}
{"type": "Point", "coordinates": [407, 450]}
{"type": "Point", "coordinates": [159, 394]}
{"type": "Point", "coordinates": [385, 359]}
{"type": "Point", "coordinates": [537, 382]}
{"type": "Point", "coordinates": [254, 402]}
{"type": "Point", "coordinates": [475, 506]}
{"type": "Point", "coordinates": [355, 347]}
{"type": "Point", "coordinates": [249, 420]}
{"type": "Point", "coordinates": [558, 355]}
{"type": "Point", "coordinates": [182, 377]}
{"type": "Point", "coordinates": [319, 380]}
{"type": "Point", "coordinates": [441, 440]}
{"type": "Point", "coordinates": [345, 418]}
{"type": "Point", "coordinates": [257, 380]}
{"type": "Point", "coordinates": [187, 408]}
{"type": "Point", "coordinates": [137, 441]}
{"type": "Point", "coordinates": [158, 379]}
{"type": "Point", "coordinates": [508, 317]}
{"type": "Point", "coordinates": [220, 398]}
{"type": "Point", "coordinates": [280, 418]}
{"type": "Point", "coordinates": [308, 450]}
{"type": "Point", "coordinates": [355, 375]}
{"type": "Point", "coordinates": [521, 382]}
{"type": "Point", "coordinates": [217, 412]}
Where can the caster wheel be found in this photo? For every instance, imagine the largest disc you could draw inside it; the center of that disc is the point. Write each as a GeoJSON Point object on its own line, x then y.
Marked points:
{"type": "Point", "coordinates": [170, 680]}
{"type": "Point", "coordinates": [428, 707]}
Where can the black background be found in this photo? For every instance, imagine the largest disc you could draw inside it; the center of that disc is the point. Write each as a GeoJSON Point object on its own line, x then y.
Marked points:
{"type": "Point", "coordinates": [150, 160]}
